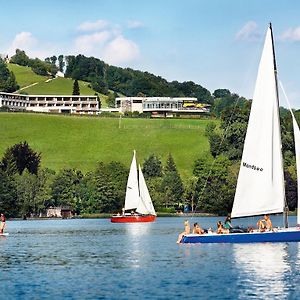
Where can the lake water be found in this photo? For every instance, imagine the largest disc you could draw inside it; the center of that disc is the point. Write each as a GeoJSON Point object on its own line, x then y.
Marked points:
{"type": "Point", "coordinates": [95, 259]}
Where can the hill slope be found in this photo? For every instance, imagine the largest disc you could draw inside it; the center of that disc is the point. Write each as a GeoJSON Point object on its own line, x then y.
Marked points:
{"type": "Point", "coordinates": [69, 141]}
{"type": "Point", "coordinates": [33, 84]}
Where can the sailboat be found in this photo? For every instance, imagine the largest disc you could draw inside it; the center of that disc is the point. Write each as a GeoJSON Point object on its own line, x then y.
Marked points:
{"type": "Point", "coordinates": [260, 186]}
{"type": "Point", "coordinates": [138, 204]}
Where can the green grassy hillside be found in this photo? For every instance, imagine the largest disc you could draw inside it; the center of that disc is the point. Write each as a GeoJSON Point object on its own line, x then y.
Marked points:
{"type": "Point", "coordinates": [33, 84]}
{"type": "Point", "coordinates": [73, 141]}
{"type": "Point", "coordinates": [59, 86]}
{"type": "Point", "coordinates": [25, 76]}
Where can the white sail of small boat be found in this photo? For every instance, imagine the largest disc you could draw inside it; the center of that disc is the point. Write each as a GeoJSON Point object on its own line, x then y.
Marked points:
{"type": "Point", "coordinates": [260, 186]}
{"type": "Point", "coordinates": [147, 205]}
{"type": "Point", "coordinates": [132, 197]}
{"type": "Point", "coordinates": [137, 194]}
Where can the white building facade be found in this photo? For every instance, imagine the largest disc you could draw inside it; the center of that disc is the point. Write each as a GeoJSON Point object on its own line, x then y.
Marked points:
{"type": "Point", "coordinates": [161, 106]}
{"type": "Point", "coordinates": [51, 103]}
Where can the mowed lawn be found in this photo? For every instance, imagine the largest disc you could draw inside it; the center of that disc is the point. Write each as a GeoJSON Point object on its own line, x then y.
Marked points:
{"type": "Point", "coordinates": [25, 76]}
{"type": "Point", "coordinates": [59, 86]}
{"type": "Point", "coordinates": [81, 142]}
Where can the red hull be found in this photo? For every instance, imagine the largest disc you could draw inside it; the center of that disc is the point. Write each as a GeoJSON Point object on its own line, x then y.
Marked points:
{"type": "Point", "coordinates": [132, 219]}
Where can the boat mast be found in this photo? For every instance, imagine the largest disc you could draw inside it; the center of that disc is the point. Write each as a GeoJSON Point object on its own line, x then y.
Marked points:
{"type": "Point", "coordinates": [285, 208]}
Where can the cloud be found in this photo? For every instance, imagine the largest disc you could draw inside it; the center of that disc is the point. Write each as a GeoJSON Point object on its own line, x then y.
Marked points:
{"type": "Point", "coordinates": [134, 24]}
{"type": "Point", "coordinates": [85, 44]}
{"type": "Point", "coordinates": [33, 48]}
{"type": "Point", "coordinates": [100, 39]}
{"type": "Point", "coordinates": [93, 26]}
{"type": "Point", "coordinates": [291, 34]}
{"type": "Point", "coordinates": [120, 50]}
{"type": "Point", "coordinates": [24, 41]}
{"type": "Point", "coordinates": [248, 32]}
{"type": "Point", "coordinates": [106, 41]}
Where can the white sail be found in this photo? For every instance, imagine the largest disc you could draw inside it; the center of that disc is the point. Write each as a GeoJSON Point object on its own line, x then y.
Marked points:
{"type": "Point", "coordinates": [132, 197]}
{"type": "Point", "coordinates": [260, 186]}
{"type": "Point", "coordinates": [146, 205]}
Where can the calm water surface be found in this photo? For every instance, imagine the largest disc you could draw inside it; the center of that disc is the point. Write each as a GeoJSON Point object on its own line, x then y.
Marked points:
{"type": "Point", "coordinates": [95, 259]}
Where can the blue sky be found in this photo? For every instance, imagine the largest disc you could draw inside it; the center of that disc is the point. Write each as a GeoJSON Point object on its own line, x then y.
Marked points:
{"type": "Point", "coordinates": [215, 43]}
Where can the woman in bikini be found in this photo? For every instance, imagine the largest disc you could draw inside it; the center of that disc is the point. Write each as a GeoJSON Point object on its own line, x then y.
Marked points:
{"type": "Point", "coordinates": [187, 230]}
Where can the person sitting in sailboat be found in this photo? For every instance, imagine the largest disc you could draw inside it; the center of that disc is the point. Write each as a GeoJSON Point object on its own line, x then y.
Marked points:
{"type": "Point", "coordinates": [187, 230]}
{"type": "Point", "coordinates": [197, 229]}
{"type": "Point", "coordinates": [221, 229]}
{"type": "Point", "coordinates": [227, 223]}
{"type": "Point", "coordinates": [265, 224]}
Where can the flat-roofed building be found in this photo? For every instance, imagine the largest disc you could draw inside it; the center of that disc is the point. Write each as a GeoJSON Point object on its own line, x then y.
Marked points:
{"type": "Point", "coordinates": [51, 103]}
{"type": "Point", "coordinates": [14, 101]}
{"type": "Point", "coordinates": [162, 106]}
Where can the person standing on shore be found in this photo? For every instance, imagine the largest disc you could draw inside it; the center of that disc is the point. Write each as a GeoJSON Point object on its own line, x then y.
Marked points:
{"type": "Point", "coordinates": [3, 224]}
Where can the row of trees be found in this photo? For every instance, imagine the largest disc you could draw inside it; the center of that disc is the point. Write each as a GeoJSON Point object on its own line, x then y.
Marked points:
{"type": "Point", "coordinates": [38, 66]}
{"type": "Point", "coordinates": [104, 77]}
{"type": "Point", "coordinates": [27, 189]}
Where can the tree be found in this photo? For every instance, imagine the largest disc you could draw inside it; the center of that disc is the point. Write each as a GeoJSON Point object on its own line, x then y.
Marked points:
{"type": "Point", "coordinates": [230, 140]}
{"type": "Point", "coordinates": [7, 79]}
{"type": "Point", "coordinates": [76, 89]}
{"type": "Point", "coordinates": [172, 184]}
{"type": "Point", "coordinates": [61, 63]}
{"type": "Point", "coordinates": [20, 157]}
{"type": "Point", "coordinates": [65, 188]}
{"type": "Point", "coordinates": [111, 100]}
{"type": "Point", "coordinates": [27, 187]}
{"type": "Point", "coordinates": [20, 58]}
{"type": "Point", "coordinates": [152, 167]}
{"type": "Point", "coordinates": [170, 164]}
{"type": "Point", "coordinates": [220, 93]}
{"type": "Point", "coordinates": [216, 184]}
{"type": "Point", "coordinates": [8, 195]}
{"type": "Point", "coordinates": [190, 192]}
{"type": "Point", "coordinates": [110, 182]}
{"type": "Point", "coordinates": [53, 60]}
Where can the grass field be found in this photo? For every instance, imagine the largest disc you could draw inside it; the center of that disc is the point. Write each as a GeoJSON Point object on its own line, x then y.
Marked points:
{"type": "Point", "coordinates": [74, 141]}
{"type": "Point", "coordinates": [25, 76]}
{"type": "Point", "coordinates": [59, 86]}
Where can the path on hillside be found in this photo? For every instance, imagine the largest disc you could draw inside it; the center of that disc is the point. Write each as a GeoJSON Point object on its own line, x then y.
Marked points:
{"type": "Point", "coordinates": [25, 87]}
{"type": "Point", "coordinates": [33, 84]}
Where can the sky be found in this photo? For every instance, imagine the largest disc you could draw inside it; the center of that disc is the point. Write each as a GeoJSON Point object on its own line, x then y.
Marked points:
{"type": "Point", "coordinates": [215, 43]}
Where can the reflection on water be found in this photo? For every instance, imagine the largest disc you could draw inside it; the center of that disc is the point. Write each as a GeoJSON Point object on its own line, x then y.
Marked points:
{"type": "Point", "coordinates": [262, 268]}
{"type": "Point", "coordinates": [97, 259]}
{"type": "Point", "coordinates": [136, 233]}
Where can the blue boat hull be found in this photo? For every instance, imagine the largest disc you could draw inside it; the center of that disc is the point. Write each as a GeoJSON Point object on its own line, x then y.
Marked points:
{"type": "Point", "coordinates": [284, 235]}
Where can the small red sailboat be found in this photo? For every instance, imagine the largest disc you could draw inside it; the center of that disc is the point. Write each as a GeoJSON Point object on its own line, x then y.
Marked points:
{"type": "Point", "coordinates": [138, 204]}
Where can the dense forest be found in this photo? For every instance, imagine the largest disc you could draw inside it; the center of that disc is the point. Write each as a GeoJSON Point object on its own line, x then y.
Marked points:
{"type": "Point", "coordinates": [129, 82]}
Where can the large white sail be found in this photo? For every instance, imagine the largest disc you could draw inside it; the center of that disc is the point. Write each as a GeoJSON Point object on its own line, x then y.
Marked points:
{"type": "Point", "coordinates": [260, 186]}
{"type": "Point", "coordinates": [146, 205]}
{"type": "Point", "coordinates": [132, 197]}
